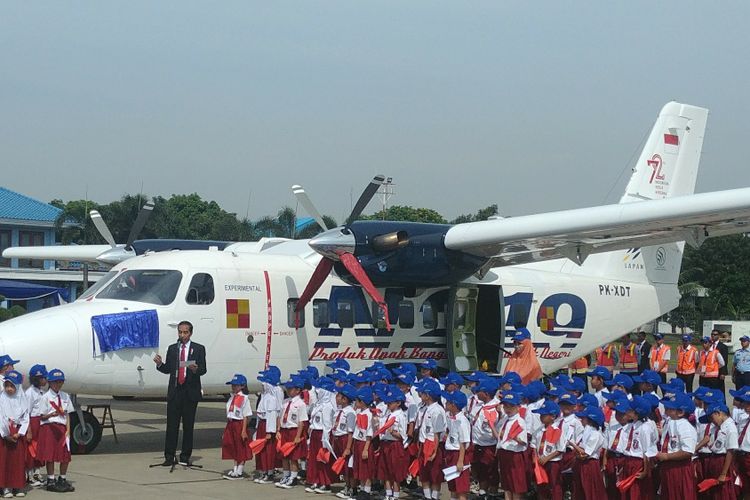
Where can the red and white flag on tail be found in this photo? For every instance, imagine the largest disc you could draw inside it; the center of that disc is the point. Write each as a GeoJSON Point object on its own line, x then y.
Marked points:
{"type": "Point", "coordinates": [671, 142]}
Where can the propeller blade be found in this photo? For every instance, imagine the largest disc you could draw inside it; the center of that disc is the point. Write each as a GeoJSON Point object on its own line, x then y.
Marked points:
{"type": "Point", "coordinates": [140, 221]}
{"type": "Point", "coordinates": [355, 268]}
{"type": "Point", "coordinates": [365, 198]}
{"type": "Point", "coordinates": [304, 200]}
{"type": "Point", "coordinates": [322, 270]}
{"type": "Point", "coordinates": [101, 226]}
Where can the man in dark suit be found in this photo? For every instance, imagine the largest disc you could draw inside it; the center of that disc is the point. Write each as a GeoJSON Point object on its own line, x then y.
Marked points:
{"type": "Point", "coordinates": [724, 351]}
{"type": "Point", "coordinates": [185, 363]}
{"type": "Point", "coordinates": [644, 349]}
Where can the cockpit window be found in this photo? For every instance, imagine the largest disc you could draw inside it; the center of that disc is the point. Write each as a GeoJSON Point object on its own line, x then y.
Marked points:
{"type": "Point", "coordinates": [90, 291]}
{"type": "Point", "coordinates": [201, 290]}
{"type": "Point", "coordinates": [152, 286]}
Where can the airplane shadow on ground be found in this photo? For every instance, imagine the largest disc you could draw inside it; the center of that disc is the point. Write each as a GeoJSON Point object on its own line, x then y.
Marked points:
{"type": "Point", "coordinates": [153, 441]}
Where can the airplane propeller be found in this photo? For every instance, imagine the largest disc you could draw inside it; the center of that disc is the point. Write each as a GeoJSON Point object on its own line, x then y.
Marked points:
{"type": "Point", "coordinates": [338, 245]}
{"type": "Point", "coordinates": [115, 255]}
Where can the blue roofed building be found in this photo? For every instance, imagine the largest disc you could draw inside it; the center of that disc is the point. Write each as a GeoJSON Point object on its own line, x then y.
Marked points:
{"type": "Point", "coordinates": [25, 222]}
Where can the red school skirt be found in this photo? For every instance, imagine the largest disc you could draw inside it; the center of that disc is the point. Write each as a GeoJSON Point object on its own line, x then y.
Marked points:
{"type": "Point", "coordinates": [588, 483]}
{"type": "Point", "coordinates": [742, 463]}
{"type": "Point", "coordinates": [52, 446]}
{"type": "Point", "coordinates": [300, 451]}
{"type": "Point", "coordinates": [462, 483]}
{"type": "Point", "coordinates": [266, 459]}
{"type": "Point", "coordinates": [612, 474]}
{"type": "Point", "coordinates": [363, 469]}
{"type": "Point", "coordinates": [554, 488]}
{"type": "Point", "coordinates": [339, 446]}
{"type": "Point", "coordinates": [32, 462]}
{"type": "Point", "coordinates": [642, 489]}
{"type": "Point", "coordinates": [484, 464]}
{"type": "Point", "coordinates": [233, 447]}
{"type": "Point", "coordinates": [432, 472]}
{"type": "Point", "coordinates": [394, 461]}
{"type": "Point", "coordinates": [677, 480]}
{"type": "Point", "coordinates": [317, 472]}
{"type": "Point", "coordinates": [512, 468]}
{"type": "Point", "coordinates": [12, 461]}
{"type": "Point", "coordinates": [712, 466]}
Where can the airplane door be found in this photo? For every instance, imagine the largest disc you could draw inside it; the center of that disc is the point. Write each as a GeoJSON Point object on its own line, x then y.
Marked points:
{"type": "Point", "coordinates": [475, 327]}
{"type": "Point", "coordinates": [201, 305]}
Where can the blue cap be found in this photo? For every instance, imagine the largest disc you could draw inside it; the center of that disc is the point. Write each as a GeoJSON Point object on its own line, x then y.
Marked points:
{"type": "Point", "coordinates": [712, 396]}
{"type": "Point", "coordinates": [622, 406]}
{"type": "Point", "coordinates": [376, 366]}
{"type": "Point", "coordinates": [295, 382]}
{"type": "Point", "coordinates": [593, 413]}
{"type": "Point", "coordinates": [383, 374]}
{"type": "Point", "coordinates": [588, 400]}
{"type": "Point", "coordinates": [487, 385]}
{"type": "Point", "coordinates": [15, 377]}
{"type": "Point", "coordinates": [452, 378]}
{"type": "Point", "coordinates": [686, 338]}
{"type": "Point", "coordinates": [560, 381]}
{"type": "Point", "coordinates": [405, 378]}
{"type": "Point", "coordinates": [568, 399]}
{"type": "Point", "coordinates": [652, 399]}
{"type": "Point", "coordinates": [362, 377]}
{"type": "Point", "coordinates": [641, 406]}
{"type": "Point", "coordinates": [680, 401]}
{"type": "Point", "coordinates": [238, 379]}
{"type": "Point", "coordinates": [711, 410]}
{"type": "Point", "coordinates": [6, 360]}
{"type": "Point", "coordinates": [326, 383]}
{"type": "Point", "coordinates": [511, 378]}
{"type": "Point", "coordinates": [475, 376]}
{"type": "Point", "coordinates": [577, 384]}
{"type": "Point", "coordinates": [658, 336]}
{"type": "Point", "coordinates": [548, 408]}
{"type": "Point", "coordinates": [600, 371]}
{"type": "Point", "coordinates": [622, 380]}
{"type": "Point", "coordinates": [348, 390]}
{"type": "Point", "coordinates": [673, 386]}
{"type": "Point", "coordinates": [616, 395]}
{"type": "Point", "coordinates": [744, 338]}
{"type": "Point", "coordinates": [648, 377]}
{"type": "Point", "coordinates": [428, 364]}
{"type": "Point", "coordinates": [431, 388]}
{"type": "Point", "coordinates": [743, 393]}
{"type": "Point", "coordinates": [55, 375]}
{"type": "Point", "coordinates": [365, 395]}
{"type": "Point", "coordinates": [338, 364]}
{"type": "Point", "coordinates": [458, 398]}
{"type": "Point", "coordinates": [38, 371]}
{"type": "Point", "coordinates": [407, 368]}
{"type": "Point", "coordinates": [271, 375]}
{"type": "Point", "coordinates": [535, 389]}
{"type": "Point", "coordinates": [339, 376]}
{"type": "Point", "coordinates": [706, 340]}
{"type": "Point", "coordinates": [313, 372]}
{"type": "Point", "coordinates": [556, 392]}
{"type": "Point", "coordinates": [512, 398]}
{"type": "Point", "coordinates": [521, 334]}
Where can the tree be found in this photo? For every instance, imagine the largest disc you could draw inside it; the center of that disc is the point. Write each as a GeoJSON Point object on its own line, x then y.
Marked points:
{"type": "Point", "coordinates": [409, 214]}
{"type": "Point", "coordinates": [482, 214]}
{"type": "Point", "coordinates": [12, 312]}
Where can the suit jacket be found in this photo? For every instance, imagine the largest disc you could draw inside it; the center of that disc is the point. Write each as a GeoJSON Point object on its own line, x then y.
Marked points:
{"type": "Point", "coordinates": [724, 351]}
{"type": "Point", "coordinates": [192, 380]}
{"type": "Point", "coordinates": [643, 361]}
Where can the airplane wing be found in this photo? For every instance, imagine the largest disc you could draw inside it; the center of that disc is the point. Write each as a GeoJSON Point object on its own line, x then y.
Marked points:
{"type": "Point", "coordinates": [575, 234]}
{"type": "Point", "coordinates": [87, 253]}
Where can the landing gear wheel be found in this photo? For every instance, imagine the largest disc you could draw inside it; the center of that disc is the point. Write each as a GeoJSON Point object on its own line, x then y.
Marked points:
{"type": "Point", "coordinates": [84, 436]}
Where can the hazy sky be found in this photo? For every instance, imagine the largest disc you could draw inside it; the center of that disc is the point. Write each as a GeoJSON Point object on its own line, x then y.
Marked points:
{"type": "Point", "coordinates": [534, 106]}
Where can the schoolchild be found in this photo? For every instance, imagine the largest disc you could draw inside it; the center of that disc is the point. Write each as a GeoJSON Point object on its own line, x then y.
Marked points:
{"type": "Point", "coordinates": [394, 460]}
{"type": "Point", "coordinates": [703, 398]}
{"type": "Point", "coordinates": [14, 425]}
{"type": "Point", "coordinates": [268, 411]}
{"type": "Point", "coordinates": [484, 456]}
{"type": "Point", "coordinates": [432, 426]}
{"type": "Point", "coordinates": [362, 467]}
{"type": "Point", "coordinates": [458, 439]}
{"type": "Point", "coordinates": [723, 443]}
{"type": "Point", "coordinates": [292, 426]}
{"type": "Point", "coordinates": [588, 483]}
{"type": "Point", "coordinates": [234, 442]}
{"type": "Point", "coordinates": [638, 448]}
{"type": "Point", "coordinates": [598, 376]}
{"type": "Point", "coordinates": [34, 393]}
{"type": "Point", "coordinates": [339, 364]}
{"type": "Point", "coordinates": [512, 443]}
{"type": "Point", "coordinates": [549, 445]}
{"type": "Point", "coordinates": [54, 443]}
{"type": "Point", "coordinates": [742, 455]}
{"type": "Point", "coordinates": [344, 423]}
{"type": "Point", "coordinates": [613, 456]}
{"type": "Point", "coordinates": [473, 404]}
{"type": "Point", "coordinates": [319, 474]}
{"type": "Point", "coordinates": [6, 364]}
{"type": "Point", "coordinates": [676, 471]}
{"type": "Point", "coordinates": [621, 382]}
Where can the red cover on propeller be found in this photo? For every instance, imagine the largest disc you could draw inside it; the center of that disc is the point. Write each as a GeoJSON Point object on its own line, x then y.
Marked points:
{"type": "Point", "coordinates": [355, 268]}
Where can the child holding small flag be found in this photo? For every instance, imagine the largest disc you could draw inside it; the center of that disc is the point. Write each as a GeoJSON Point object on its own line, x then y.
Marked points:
{"type": "Point", "coordinates": [512, 443]}
{"type": "Point", "coordinates": [290, 439]}
{"type": "Point", "coordinates": [431, 429]}
{"type": "Point", "coordinates": [639, 448]}
{"type": "Point", "coordinates": [587, 478]}
{"type": "Point", "coordinates": [234, 442]}
{"type": "Point", "coordinates": [54, 432]}
{"type": "Point", "coordinates": [720, 465]}
{"type": "Point", "coordinates": [319, 450]}
{"type": "Point", "coordinates": [14, 424]}
{"type": "Point", "coordinates": [363, 472]}
{"type": "Point", "coordinates": [344, 423]}
{"type": "Point", "coordinates": [484, 458]}
{"type": "Point", "coordinates": [676, 471]}
{"type": "Point", "coordinates": [458, 438]}
{"type": "Point", "coordinates": [34, 394]}
{"type": "Point", "coordinates": [549, 445]}
{"type": "Point", "coordinates": [394, 460]}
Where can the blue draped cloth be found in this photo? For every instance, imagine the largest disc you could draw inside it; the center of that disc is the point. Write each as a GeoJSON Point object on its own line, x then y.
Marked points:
{"type": "Point", "coordinates": [126, 330]}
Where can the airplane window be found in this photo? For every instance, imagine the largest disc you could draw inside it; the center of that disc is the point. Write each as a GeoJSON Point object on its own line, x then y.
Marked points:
{"type": "Point", "coordinates": [428, 316]}
{"type": "Point", "coordinates": [201, 289]}
{"type": "Point", "coordinates": [345, 313]}
{"type": "Point", "coordinates": [459, 314]}
{"type": "Point", "coordinates": [291, 314]}
{"type": "Point", "coordinates": [320, 313]}
{"type": "Point", "coordinates": [406, 314]}
{"type": "Point", "coordinates": [152, 286]}
{"type": "Point", "coordinates": [90, 291]}
{"type": "Point", "coordinates": [378, 316]}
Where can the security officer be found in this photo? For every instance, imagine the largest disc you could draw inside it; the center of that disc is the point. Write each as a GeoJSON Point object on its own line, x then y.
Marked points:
{"type": "Point", "coordinates": [742, 363]}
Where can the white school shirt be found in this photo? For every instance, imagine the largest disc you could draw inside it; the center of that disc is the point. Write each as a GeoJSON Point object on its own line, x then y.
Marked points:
{"type": "Point", "coordinates": [458, 431]}
{"type": "Point", "coordinates": [472, 407]}
{"type": "Point", "coordinates": [613, 435]}
{"type": "Point", "coordinates": [744, 436]}
{"type": "Point", "coordinates": [544, 447]}
{"type": "Point", "coordinates": [362, 432]}
{"type": "Point", "coordinates": [592, 441]}
{"type": "Point", "coordinates": [504, 425]}
{"type": "Point", "coordinates": [34, 396]}
{"type": "Point", "coordinates": [703, 430]}
{"type": "Point", "coordinates": [14, 408]}
{"type": "Point", "coordinates": [725, 439]}
{"type": "Point", "coordinates": [400, 423]}
{"type": "Point", "coordinates": [533, 420]}
{"type": "Point", "coordinates": [412, 406]}
{"type": "Point", "coordinates": [344, 421]}
{"type": "Point", "coordinates": [739, 416]}
{"type": "Point", "coordinates": [240, 411]}
{"type": "Point", "coordinates": [481, 432]}
{"type": "Point", "coordinates": [321, 414]}
{"type": "Point", "coordinates": [572, 428]}
{"type": "Point", "coordinates": [293, 413]}
{"type": "Point", "coordinates": [270, 405]}
{"type": "Point", "coordinates": [433, 422]}
{"type": "Point", "coordinates": [680, 436]}
{"type": "Point", "coordinates": [599, 395]}
{"type": "Point", "coordinates": [638, 439]}
{"type": "Point", "coordinates": [45, 406]}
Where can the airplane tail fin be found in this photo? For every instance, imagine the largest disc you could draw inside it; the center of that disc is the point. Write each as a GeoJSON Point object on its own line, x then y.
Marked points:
{"type": "Point", "coordinates": [667, 167]}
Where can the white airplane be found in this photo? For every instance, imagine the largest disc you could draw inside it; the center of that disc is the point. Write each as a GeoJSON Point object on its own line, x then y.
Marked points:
{"type": "Point", "coordinates": [576, 279]}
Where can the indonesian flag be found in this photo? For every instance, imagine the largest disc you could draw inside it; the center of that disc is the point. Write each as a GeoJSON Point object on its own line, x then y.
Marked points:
{"type": "Point", "coordinates": [539, 473]}
{"type": "Point", "coordinates": [624, 484]}
{"type": "Point", "coordinates": [707, 484]}
{"type": "Point", "coordinates": [414, 468]}
{"type": "Point", "coordinates": [338, 465]}
{"type": "Point", "coordinates": [428, 448]}
{"type": "Point", "coordinates": [552, 434]}
{"type": "Point", "coordinates": [514, 432]}
{"type": "Point", "coordinates": [323, 455]}
{"type": "Point", "coordinates": [362, 421]}
{"type": "Point", "coordinates": [387, 425]}
{"type": "Point", "coordinates": [256, 446]}
{"type": "Point", "coordinates": [287, 448]}
{"type": "Point", "coordinates": [490, 415]}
